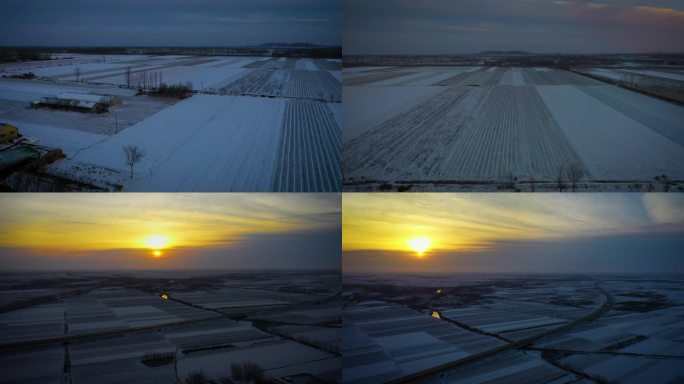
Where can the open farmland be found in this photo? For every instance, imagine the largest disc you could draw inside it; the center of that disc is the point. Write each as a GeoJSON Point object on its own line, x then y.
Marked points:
{"type": "Point", "coordinates": [494, 128]}
{"type": "Point", "coordinates": [250, 124]}
{"type": "Point", "coordinates": [508, 328]}
{"type": "Point", "coordinates": [117, 327]}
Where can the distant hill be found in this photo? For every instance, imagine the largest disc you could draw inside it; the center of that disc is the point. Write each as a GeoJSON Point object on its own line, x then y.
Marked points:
{"type": "Point", "coordinates": [505, 53]}
{"type": "Point", "coordinates": [289, 45]}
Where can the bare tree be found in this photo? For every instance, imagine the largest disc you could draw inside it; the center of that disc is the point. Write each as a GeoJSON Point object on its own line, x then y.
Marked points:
{"type": "Point", "coordinates": [127, 75]}
{"type": "Point", "coordinates": [133, 155]}
{"type": "Point", "coordinates": [559, 180]}
{"type": "Point", "coordinates": [575, 174]}
{"type": "Point", "coordinates": [665, 181]}
{"type": "Point", "coordinates": [77, 73]}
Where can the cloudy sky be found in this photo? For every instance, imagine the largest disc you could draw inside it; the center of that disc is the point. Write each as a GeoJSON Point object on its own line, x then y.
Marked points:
{"type": "Point", "coordinates": [589, 233]}
{"type": "Point", "coordinates": [169, 231]}
{"type": "Point", "coordinates": [544, 26]}
{"type": "Point", "coordinates": [169, 22]}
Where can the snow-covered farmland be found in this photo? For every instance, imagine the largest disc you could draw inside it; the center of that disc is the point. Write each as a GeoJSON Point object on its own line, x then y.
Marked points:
{"type": "Point", "coordinates": [109, 332]}
{"type": "Point", "coordinates": [381, 342]}
{"type": "Point", "coordinates": [485, 128]}
{"type": "Point", "coordinates": [255, 124]}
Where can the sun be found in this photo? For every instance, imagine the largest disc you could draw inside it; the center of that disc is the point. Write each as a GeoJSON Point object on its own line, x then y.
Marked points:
{"type": "Point", "coordinates": [419, 244]}
{"type": "Point", "coordinates": [157, 242]}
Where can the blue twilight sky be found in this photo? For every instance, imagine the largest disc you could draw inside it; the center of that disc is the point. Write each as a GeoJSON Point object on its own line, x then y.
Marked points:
{"type": "Point", "coordinates": [169, 22]}
{"type": "Point", "coordinates": [543, 26]}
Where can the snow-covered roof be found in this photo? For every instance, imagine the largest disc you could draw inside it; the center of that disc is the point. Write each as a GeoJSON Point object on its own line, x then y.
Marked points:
{"type": "Point", "coordinates": [85, 97]}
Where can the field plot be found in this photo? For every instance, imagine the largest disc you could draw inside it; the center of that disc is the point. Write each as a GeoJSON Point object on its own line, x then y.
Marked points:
{"type": "Point", "coordinates": [260, 82]}
{"type": "Point", "coordinates": [20, 367]}
{"type": "Point", "coordinates": [506, 128]}
{"type": "Point", "coordinates": [309, 149]}
{"type": "Point", "coordinates": [376, 76]}
{"type": "Point", "coordinates": [200, 144]}
{"type": "Point", "coordinates": [504, 138]}
{"type": "Point", "coordinates": [668, 84]}
{"type": "Point", "coordinates": [510, 367]}
{"type": "Point", "coordinates": [387, 102]}
{"type": "Point", "coordinates": [315, 85]}
{"type": "Point", "coordinates": [36, 322]}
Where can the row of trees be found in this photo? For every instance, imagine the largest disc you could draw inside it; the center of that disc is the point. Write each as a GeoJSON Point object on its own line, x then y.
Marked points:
{"type": "Point", "coordinates": [247, 372]}
{"type": "Point", "coordinates": [669, 88]}
{"type": "Point", "coordinates": [143, 79]}
{"type": "Point", "coordinates": [13, 55]}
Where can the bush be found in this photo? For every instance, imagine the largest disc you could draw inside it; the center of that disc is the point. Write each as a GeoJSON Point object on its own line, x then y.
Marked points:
{"type": "Point", "coordinates": [179, 91]}
{"type": "Point", "coordinates": [157, 359]}
{"type": "Point", "coordinates": [247, 371]}
{"type": "Point", "coordinates": [196, 377]}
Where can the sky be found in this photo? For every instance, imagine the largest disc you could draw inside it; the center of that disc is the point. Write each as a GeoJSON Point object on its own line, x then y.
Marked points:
{"type": "Point", "coordinates": [169, 22]}
{"type": "Point", "coordinates": [513, 233]}
{"type": "Point", "coordinates": [540, 26]}
{"type": "Point", "coordinates": [169, 231]}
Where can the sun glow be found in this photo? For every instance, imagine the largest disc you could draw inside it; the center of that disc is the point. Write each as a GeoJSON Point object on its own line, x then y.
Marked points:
{"type": "Point", "coordinates": [419, 244]}
{"type": "Point", "coordinates": [157, 253]}
{"type": "Point", "coordinates": [157, 242]}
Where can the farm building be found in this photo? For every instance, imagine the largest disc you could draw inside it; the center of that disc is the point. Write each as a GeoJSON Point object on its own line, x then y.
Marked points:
{"type": "Point", "coordinates": [82, 102]}
{"type": "Point", "coordinates": [8, 133]}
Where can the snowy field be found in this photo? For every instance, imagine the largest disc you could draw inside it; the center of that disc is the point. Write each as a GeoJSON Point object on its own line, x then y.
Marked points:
{"type": "Point", "coordinates": [636, 338]}
{"type": "Point", "coordinates": [486, 126]}
{"type": "Point", "coordinates": [256, 124]}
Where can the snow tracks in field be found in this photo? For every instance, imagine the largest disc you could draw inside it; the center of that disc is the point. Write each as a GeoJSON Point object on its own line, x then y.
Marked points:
{"type": "Point", "coordinates": [260, 82]}
{"type": "Point", "coordinates": [314, 85]}
{"type": "Point", "coordinates": [411, 144]}
{"type": "Point", "coordinates": [295, 83]}
{"type": "Point", "coordinates": [514, 135]}
{"type": "Point", "coordinates": [465, 133]}
{"type": "Point", "coordinates": [377, 75]}
{"type": "Point", "coordinates": [308, 157]}
{"type": "Point", "coordinates": [478, 77]}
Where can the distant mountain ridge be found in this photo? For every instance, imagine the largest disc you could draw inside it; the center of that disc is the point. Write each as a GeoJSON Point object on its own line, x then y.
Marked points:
{"type": "Point", "coordinates": [290, 45]}
{"type": "Point", "coordinates": [505, 53]}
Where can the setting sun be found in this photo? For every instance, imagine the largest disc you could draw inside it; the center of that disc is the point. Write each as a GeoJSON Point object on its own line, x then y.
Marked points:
{"type": "Point", "coordinates": [419, 244]}
{"type": "Point", "coordinates": [157, 242]}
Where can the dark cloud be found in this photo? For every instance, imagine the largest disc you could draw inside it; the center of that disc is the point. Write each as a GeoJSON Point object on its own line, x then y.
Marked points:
{"type": "Point", "coordinates": [170, 22]}
{"type": "Point", "coordinates": [465, 26]}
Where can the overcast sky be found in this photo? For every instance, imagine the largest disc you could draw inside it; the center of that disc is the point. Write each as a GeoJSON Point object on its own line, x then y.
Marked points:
{"type": "Point", "coordinates": [577, 233]}
{"type": "Point", "coordinates": [544, 26]}
{"type": "Point", "coordinates": [189, 231]}
{"type": "Point", "coordinates": [169, 22]}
